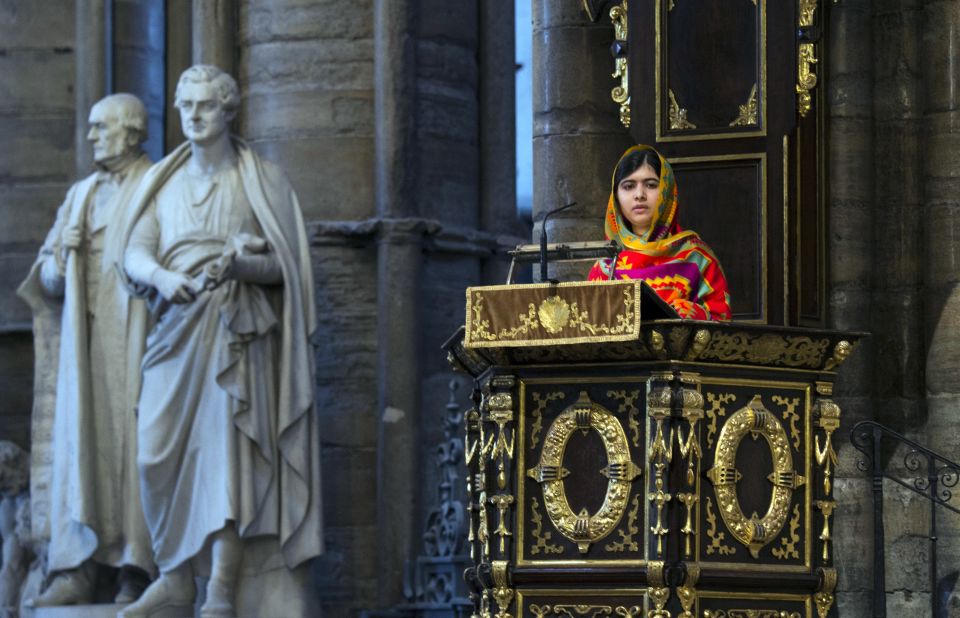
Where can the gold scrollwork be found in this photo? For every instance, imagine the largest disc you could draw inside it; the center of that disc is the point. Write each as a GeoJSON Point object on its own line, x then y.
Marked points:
{"type": "Point", "coordinates": [583, 528]}
{"type": "Point", "coordinates": [767, 349]}
{"type": "Point", "coordinates": [823, 598]}
{"type": "Point", "coordinates": [829, 421]}
{"type": "Point", "coordinates": [483, 527]}
{"type": "Point", "coordinates": [840, 353]}
{"type": "Point", "coordinates": [583, 610]}
{"type": "Point", "coordinates": [716, 538]}
{"type": "Point", "coordinates": [788, 547]}
{"type": "Point", "coordinates": [659, 401]}
{"type": "Point", "coordinates": [502, 593]}
{"type": "Point", "coordinates": [540, 401]}
{"type": "Point", "coordinates": [748, 111]}
{"type": "Point", "coordinates": [626, 542]}
{"type": "Point", "coordinates": [659, 597]}
{"type": "Point", "coordinates": [806, 58]}
{"type": "Point", "coordinates": [692, 401]}
{"type": "Point", "coordinates": [790, 414]}
{"type": "Point", "coordinates": [749, 613]}
{"type": "Point", "coordinates": [502, 502]}
{"type": "Point", "coordinates": [688, 530]}
{"type": "Point", "coordinates": [621, 93]}
{"type": "Point", "coordinates": [678, 115]}
{"type": "Point", "coordinates": [826, 509]}
{"type": "Point", "coordinates": [700, 340]}
{"type": "Point", "coordinates": [500, 411]}
{"type": "Point", "coordinates": [754, 532]}
{"type": "Point", "coordinates": [717, 409]}
{"type": "Point", "coordinates": [687, 593]}
{"type": "Point", "coordinates": [628, 405]}
{"type": "Point", "coordinates": [542, 538]}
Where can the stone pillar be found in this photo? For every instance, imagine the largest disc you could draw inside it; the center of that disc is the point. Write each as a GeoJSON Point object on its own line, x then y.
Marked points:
{"type": "Point", "coordinates": [91, 77]}
{"type": "Point", "coordinates": [941, 201]}
{"type": "Point", "coordinates": [897, 306]}
{"type": "Point", "coordinates": [213, 32]}
{"type": "Point", "coordinates": [306, 75]}
{"type": "Point", "coordinates": [577, 135]}
{"type": "Point", "coordinates": [138, 58]}
{"type": "Point", "coordinates": [498, 133]}
{"type": "Point", "coordinates": [398, 258]}
{"type": "Point", "coordinates": [178, 56]}
{"type": "Point", "coordinates": [850, 161]}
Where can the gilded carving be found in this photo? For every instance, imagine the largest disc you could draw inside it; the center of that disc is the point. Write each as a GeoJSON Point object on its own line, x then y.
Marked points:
{"type": "Point", "coordinates": [583, 528]}
{"type": "Point", "coordinates": [806, 58]}
{"type": "Point", "coordinates": [678, 339]}
{"type": "Point", "coordinates": [541, 537]}
{"type": "Point", "coordinates": [748, 111]}
{"type": "Point", "coordinates": [657, 343]}
{"type": "Point", "coordinates": [767, 349]}
{"type": "Point", "coordinates": [749, 613]}
{"type": "Point", "coordinates": [840, 353]}
{"type": "Point", "coordinates": [688, 530]}
{"type": "Point", "coordinates": [626, 542]}
{"type": "Point", "coordinates": [502, 502]}
{"type": "Point", "coordinates": [829, 421]}
{"type": "Point", "coordinates": [659, 401]}
{"type": "Point", "coordinates": [717, 409]}
{"type": "Point", "coordinates": [826, 509]}
{"type": "Point", "coordinates": [628, 406]}
{"type": "Point", "coordinates": [483, 528]}
{"type": "Point", "coordinates": [659, 598]}
{"type": "Point", "coordinates": [823, 598]}
{"type": "Point", "coordinates": [540, 401]}
{"type": "Point", "coordinates": [788, 544]}
{"type": "Point", "coordinates": [502, 593]}
{"type": "Point", "coordinates": [756, 420]}
{"type": "Point", "coordinates": [716, 538]}
{"type": "Point", "coordinates": [678, 115]}
{"type": "Point", "coordinates": [692, 402]}
{"type": "Point", "coordinates": [621, 93]}
{"type": "Point", "coordinates": [500, 411]}
{"type": "Point", "coordinates": [687, 593]}
{"type": "Point", "coordinates": [790, 415]}
{"type": "Point", "coordinates": [583, 610]}
{"type": "Point", "coordinates": [700, 340]}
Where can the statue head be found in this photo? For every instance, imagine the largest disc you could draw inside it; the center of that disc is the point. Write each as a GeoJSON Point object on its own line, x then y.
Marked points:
{"type": "Point", "coordinates": [118, 125]}
{"type": "Point", "coordinates": [14, 469]}
{"type": "Point", "coordinates": [208, 100]}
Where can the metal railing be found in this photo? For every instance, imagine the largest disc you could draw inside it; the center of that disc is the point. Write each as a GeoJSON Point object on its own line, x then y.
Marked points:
{"type": "Point", "coordinates": [933, 477]}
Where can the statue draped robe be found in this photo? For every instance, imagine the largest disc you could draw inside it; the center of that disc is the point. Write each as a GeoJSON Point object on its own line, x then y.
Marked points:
{"type": "Point", "coordinates": [94, 495]}
{"type": "Point", "coordinates": [227, 427]}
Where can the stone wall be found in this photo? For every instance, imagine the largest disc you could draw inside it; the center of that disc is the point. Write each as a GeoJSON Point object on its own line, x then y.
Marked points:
{"type": "Point", "coordinates": [36, 168]}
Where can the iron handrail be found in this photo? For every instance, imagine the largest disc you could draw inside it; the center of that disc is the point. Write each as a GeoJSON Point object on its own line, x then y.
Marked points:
{"type": "Point", "coordinates": [942, 475]}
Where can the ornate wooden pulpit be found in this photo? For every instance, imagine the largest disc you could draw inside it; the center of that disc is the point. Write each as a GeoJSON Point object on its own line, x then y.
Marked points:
{"type": "Point", "coordinates": [620, 465]}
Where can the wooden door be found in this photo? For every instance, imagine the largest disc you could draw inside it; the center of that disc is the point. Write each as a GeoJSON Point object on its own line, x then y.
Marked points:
{"type": "Point", "coordinates": [718, 87]}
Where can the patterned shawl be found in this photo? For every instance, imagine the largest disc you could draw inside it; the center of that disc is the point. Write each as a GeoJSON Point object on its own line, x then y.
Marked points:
{"type": "Point", "coordinates": [677, 264]}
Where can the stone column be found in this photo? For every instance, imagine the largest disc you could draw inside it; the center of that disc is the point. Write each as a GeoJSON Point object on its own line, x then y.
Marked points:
{"type": "Point", "coordinates": [850, 161]}
{"type": "Point", "coordinates": [91, 76]}
{"type": "Point", "coordinates": [213, 32]}
{"type": "Point", "coordinates": [398, 258]}
{"type": "Point", "coordinates": [941, 201]}
{"type": "Point", "coordinates": [498, 133]}
{"type": "Point", "coordinates": [577, 135]}
{"type": "Point", "coordinates": [897, 306]}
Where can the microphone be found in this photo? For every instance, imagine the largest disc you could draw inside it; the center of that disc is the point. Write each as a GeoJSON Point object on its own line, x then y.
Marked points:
{"type": "Point", "coordinates": [543, 239]}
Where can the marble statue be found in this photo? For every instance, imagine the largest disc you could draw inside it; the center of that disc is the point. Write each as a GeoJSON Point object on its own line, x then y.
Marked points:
{"type": "Point", "coordinates": [15, 555]}
{"type": "Point", "coordinates": [95, 514]}
{"type": "Point", "coordinates": [227, 432]}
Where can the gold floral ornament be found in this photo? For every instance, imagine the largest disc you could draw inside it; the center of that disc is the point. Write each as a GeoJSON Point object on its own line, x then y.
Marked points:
{"type": "Point", "coordinates": [554, 314]}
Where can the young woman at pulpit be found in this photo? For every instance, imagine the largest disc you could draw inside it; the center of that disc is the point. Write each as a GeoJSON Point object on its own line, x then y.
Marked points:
{"type": "Point", "coordinates": [642, 217]}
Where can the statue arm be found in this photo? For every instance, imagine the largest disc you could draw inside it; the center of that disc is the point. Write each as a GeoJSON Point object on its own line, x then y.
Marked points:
{"type": "Point", "coordinates": [139, 260]}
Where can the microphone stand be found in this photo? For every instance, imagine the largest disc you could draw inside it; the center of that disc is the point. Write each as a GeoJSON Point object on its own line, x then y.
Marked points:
{"type": "Point", "coordinates": [543, 240]}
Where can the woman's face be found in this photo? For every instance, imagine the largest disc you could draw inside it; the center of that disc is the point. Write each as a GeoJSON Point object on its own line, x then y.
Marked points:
{"type": "Point", "coordinates": [637, 195]}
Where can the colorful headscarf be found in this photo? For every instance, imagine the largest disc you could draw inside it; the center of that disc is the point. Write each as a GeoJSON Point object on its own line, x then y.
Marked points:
{"type": "Point", "coordinates": [676, 263]}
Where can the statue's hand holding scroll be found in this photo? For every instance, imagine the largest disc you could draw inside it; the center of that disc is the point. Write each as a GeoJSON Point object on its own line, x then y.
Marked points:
{"type": "Point", "coordinates": [245, 258]}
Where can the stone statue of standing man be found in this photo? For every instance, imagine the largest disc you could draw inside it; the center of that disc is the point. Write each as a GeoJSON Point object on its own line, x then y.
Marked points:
{"type": "Point", "coordinates": [228, 446]}
{"type": "Point", "coordinates": [95, 513]}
